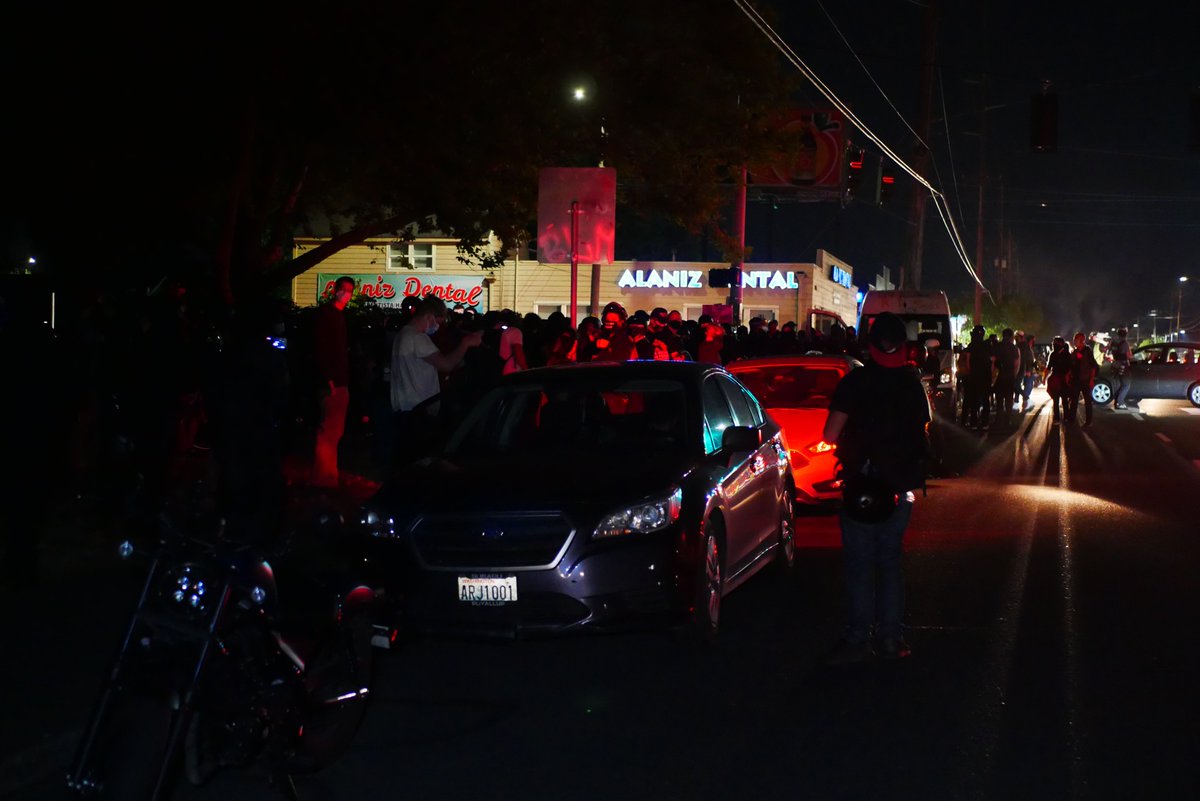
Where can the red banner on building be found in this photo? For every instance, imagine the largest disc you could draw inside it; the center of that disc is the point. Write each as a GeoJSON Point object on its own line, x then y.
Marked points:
{"type": "Point", "coordinates": [815, 158]}
{"type": "Point", "coordinates": [458, 291]}
{"type": "Point", "coordinates": [595, 192]}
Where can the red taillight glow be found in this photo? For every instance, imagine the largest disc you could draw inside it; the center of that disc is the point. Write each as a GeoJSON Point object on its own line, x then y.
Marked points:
{"type": "Point", "coordinates": [821, 446]}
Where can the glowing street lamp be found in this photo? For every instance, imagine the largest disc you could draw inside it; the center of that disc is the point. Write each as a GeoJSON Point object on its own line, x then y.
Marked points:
{"type": "Point", "coordinates": [1179, 308]}
{"type": "Point", "coordinates": [580, 93]}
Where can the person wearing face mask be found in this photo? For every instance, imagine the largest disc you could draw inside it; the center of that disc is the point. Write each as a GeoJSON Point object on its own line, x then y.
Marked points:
{"type": "Point", "coordinates": [612, 343]}
{"type": "Point", "coordinates": [667, 344]}
{"type": "Point", "coordinates": [417, 364]}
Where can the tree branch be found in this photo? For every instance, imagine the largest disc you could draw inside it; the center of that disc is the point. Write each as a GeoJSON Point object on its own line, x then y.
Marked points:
{"type": "Point", "coordinates": [286, 271]}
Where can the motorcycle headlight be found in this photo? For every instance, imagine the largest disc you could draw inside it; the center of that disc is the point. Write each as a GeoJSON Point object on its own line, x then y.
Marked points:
{"type": "Point", "coordinates": [184, 585]}
{"type": "Point", "coordinates": [643, 518]}
{"type": "Point", "coordinates": [377, 524]}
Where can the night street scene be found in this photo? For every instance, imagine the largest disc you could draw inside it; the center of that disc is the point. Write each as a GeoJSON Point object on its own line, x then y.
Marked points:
{"type": "Point", "coordinates": [691, 399]}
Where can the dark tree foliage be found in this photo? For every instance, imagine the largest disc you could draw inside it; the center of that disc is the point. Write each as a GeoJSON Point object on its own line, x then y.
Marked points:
{"type": "Point", "coordinates": [210, 135]}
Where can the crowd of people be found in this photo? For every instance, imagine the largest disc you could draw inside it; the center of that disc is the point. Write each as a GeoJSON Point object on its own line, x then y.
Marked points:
{"type": "Point", "coordinates": [997, 376]}
{"type": "Point", "coordinates": [423, 365]}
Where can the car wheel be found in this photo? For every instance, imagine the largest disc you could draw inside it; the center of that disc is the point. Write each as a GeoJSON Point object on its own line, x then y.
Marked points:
{"type": "Point", "coordinates": [786, 552]}
{"type": "Point", "coordinates": [710, 583]}
{"type": "Point", "coordinates": [1101, 392]}
{"type": "Point", "coordinates": [1194, 394]}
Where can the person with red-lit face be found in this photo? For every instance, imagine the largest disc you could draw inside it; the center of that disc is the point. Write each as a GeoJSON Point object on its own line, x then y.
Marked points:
{"type": "Point", "coordinates": [612, 343]}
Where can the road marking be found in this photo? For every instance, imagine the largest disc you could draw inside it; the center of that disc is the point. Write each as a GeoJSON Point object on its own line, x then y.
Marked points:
{"type": "Point", "coordinates": [1191, 410]}
{"type": "Point", "coordinates": [1138, 417]}
{"type": "Point", "coordinates": [1163, 437]}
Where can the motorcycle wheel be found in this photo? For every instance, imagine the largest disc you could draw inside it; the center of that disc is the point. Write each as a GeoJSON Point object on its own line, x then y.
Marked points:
{"type": "Point", "coordinates": [341, 666]}
{"type": "Point", "coordinates": [131, 749]}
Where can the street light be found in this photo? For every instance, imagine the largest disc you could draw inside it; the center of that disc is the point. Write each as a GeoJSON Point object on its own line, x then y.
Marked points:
{"type": "Point", "coordinates": [580, 93]}
{"type": "Point", "coordinates": [1179, 308]}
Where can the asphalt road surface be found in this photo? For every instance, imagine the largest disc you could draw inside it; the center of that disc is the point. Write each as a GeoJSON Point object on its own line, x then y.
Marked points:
{"type": "Point", "coordinates": [1051, 600]}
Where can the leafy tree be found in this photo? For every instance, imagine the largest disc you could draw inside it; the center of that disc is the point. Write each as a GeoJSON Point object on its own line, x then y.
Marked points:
{"type": "Point", "coordinates": [226, 132]}
{"type": "Point", "coordinates": [1017, 311]}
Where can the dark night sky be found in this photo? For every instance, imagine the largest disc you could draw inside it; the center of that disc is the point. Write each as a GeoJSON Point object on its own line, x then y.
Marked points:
{"type": "Point", "coordinates": [1121, 195]}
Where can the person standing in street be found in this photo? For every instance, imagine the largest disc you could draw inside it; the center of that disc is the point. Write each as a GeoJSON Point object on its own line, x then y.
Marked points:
{"type": "Point", "coordinates": [979, 380]}
{"type": "Point", "coordinates": [1121, 353]}
{"type": "Point", "coordinates": [332, 353]}
{"type": "Point", "coordinates": [1058, 377]}
{"type": "Point", "coordinates": [878, 417]}
{"type": "Point", "coordinates": [1083, 377]}
{"type": "Point", "coordinates": [1028, 366]}
{"type": "Point", "coordinates": [1008, 370]}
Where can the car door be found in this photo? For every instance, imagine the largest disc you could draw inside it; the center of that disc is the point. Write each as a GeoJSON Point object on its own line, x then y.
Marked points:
{"type": "Point", "coordinates": [736, 475]}
{"type": "Point", "coordinates": [1141, 377]}
{"type": "Point", "coordinates": [763, 504]}
{"type": "Point", "coordinates": [1177, 372]}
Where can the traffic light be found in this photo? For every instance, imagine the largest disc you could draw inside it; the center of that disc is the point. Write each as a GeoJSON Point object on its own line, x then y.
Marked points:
{"type": "Point", "coordinates": [724, 277]}
{"type": "Point", "coordinates": [855, 159]}
{"type": "Point", "coordinates": [1043, 122]}
{"type": "Point", "coordinates": [885, 182]}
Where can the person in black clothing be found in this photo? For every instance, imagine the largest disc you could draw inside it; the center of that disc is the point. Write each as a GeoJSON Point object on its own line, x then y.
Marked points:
{"type": "Point", "coordinates": [1058, 376]}
{"type": "Point", "coordinates": [878, 418]}
{"type": "Point", "coordinates": [1008, 369]}
{"type": "Point", "coordinates": [1083, 377]}
{"type": "Point", "coordinates": [979, 380]}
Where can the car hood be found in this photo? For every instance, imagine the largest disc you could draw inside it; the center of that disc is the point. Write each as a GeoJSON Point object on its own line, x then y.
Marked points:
{"type": "Point", "coordinates": [801, 427]}
{"type": "Point", "coordinates": [583, 483]}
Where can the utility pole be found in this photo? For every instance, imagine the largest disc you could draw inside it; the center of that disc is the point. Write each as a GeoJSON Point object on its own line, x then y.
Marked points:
{"type": "Point", "coordinates": [739, 221]}
{"type": "Point", "coordinates": [918, 197]}
{"type": "Point", "coordinates": [979, 221]}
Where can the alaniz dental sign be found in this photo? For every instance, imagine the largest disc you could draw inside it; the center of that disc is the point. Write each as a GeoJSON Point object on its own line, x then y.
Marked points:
{"type": "Point", "coordinates": [694, 279]}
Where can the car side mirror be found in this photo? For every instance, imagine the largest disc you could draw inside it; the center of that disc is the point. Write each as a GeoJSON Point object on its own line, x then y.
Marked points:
{"type": "Point", "coordinates": [740, 439]}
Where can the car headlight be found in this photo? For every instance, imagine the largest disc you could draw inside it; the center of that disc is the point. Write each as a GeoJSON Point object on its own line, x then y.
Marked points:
{"type": "Point", "coordinates": [377, 525]}
{"type": "Point", "coordinates": [944, 378]}
{"type": "Point", "coordinates": [643, 518]}
{"type": "Point", "coordinates": [184, 585]}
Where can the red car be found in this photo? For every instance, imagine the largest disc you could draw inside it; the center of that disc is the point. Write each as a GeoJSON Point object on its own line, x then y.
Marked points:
{"type": "Point", "coordinates": [795, 391]}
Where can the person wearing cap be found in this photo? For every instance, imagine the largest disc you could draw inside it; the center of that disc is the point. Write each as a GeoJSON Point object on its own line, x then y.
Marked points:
{"type": "Point", "coordinates": [1121, 354]}
{"type": "Point", "coordinates": [640, 345]}
{"type": "Point", "coordinates": [878, 418]}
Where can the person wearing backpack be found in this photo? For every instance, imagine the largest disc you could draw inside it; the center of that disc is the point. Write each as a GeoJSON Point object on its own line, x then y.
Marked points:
{"type": "Point", "coordinates": [878, 418]}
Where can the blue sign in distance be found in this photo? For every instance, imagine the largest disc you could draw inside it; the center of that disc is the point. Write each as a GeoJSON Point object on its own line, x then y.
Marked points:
{"type": "Point", "coordinates": [840, 276]}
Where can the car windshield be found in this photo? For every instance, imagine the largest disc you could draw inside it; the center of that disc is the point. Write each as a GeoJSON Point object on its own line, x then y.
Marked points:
{"type": "Point", "coordinates": [578, 412]}
{"type": "Point", "coordinates": [921, 328]}
{"type": "Point", "coordinates": [791, 386]}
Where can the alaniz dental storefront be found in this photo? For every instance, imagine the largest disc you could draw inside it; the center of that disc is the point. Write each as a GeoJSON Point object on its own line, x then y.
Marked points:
{"type": "Point", "coordinates": [388, 271]}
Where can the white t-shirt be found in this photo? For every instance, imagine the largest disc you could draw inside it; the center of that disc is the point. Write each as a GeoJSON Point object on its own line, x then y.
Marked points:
{"type": "Point", "coordinates": [413, 379]}
{"type": "Point", "coordinates": [511, 336]}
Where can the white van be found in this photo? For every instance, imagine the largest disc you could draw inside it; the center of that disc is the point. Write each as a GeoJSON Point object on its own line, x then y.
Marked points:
{"type": "Point", "coordinates": [927, 315]}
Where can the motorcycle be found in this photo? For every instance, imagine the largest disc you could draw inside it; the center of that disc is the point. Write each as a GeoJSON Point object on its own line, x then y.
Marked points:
{"type": "Point", "coordinates": [215, 672]}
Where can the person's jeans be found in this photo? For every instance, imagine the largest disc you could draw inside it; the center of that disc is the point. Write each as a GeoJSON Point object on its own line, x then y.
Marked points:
{"type": "Point", "coordinates": [1073, 404]}
{"type": "Point", "coordinates": [874, 580]}
{"type": "Point", "coordinates": [329, 435]}
{"type": "Point", "coordinates": [1027, 387]}
{"type": "Point", "coordinates": [1122, 387]}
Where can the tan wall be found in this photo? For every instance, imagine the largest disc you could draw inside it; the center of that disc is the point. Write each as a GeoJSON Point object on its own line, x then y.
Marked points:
{"type": "Point", "coordinates": [525, 285]}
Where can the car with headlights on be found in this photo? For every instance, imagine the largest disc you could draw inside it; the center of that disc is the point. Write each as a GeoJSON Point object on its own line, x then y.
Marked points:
{"type": "Point", "coordinates": [588, 496]}
{"type": "Point", "coordinates": [795, 391]}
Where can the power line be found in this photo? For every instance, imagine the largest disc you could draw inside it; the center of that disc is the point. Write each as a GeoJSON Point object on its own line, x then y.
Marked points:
{"type": "Point", "coordinates": [798, 63]}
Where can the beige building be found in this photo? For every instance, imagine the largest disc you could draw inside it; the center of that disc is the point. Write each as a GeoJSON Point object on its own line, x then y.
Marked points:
{"type": "Point", "coordinates": [388, 271]}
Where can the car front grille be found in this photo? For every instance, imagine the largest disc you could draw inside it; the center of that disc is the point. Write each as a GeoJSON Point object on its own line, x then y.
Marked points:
{"type": "Point", "coordinates": [461, 542]}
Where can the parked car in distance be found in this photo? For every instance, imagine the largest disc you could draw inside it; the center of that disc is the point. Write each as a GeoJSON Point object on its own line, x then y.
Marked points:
{"type": "Point", "coordinates": [1167, 370]}
{"type": "Point", "coordinates": [587, 497]}
{"type": "Point", "coordinates": [795, 391]}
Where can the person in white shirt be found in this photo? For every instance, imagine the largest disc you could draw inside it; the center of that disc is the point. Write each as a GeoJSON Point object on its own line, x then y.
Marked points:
{"type": "Point", "coordinates": [417, 362]}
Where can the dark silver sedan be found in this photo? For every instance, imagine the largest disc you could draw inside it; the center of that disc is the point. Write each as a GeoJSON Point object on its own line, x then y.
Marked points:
{"type": "Point", "coordinates": [1168, 370]}
{"type": "Point", "coordinates": [588, 497]}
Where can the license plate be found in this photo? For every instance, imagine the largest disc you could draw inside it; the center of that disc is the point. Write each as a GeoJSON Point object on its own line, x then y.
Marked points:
{"type": "Point", "coordinates": [489, 591]}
